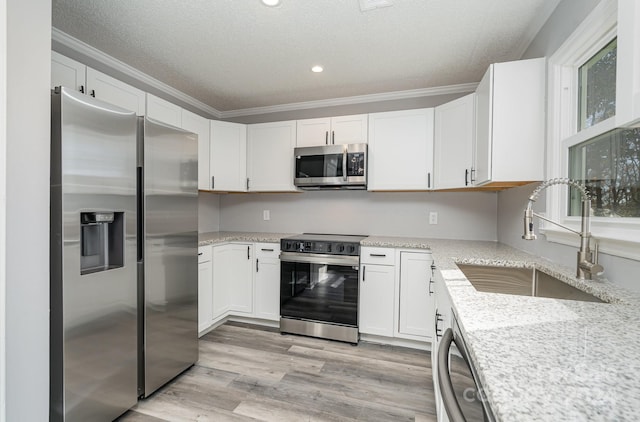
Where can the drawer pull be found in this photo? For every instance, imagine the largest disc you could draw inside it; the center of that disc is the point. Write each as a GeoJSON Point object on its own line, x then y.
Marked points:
{"type": "Point", "coordinates": [378, 255]}
{"type": "Point", "coordinates": [266, 250]}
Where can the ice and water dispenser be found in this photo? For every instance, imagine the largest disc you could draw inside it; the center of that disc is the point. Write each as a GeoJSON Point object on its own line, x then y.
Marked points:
{"type": "Point", "coordinates": [101, 241]}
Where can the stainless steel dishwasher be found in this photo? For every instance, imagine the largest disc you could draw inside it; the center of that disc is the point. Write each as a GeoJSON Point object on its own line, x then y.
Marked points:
{"type": "Point", "coordinates": [462, 395]}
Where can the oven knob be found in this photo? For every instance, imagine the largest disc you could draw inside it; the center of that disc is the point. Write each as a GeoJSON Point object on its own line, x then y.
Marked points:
{"type": "Point", "coordinates": [287, 246]}
{"type": "Point", "coordinates": [340, 248]}
{"type": "Point", "coordinates": [328, 247]}
{"type": "Point", "coordinates": [352, 249]}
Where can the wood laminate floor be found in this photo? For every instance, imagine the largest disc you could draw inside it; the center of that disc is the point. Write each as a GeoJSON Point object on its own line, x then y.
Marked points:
{"type": "Point", "coordinates": [250, 373]}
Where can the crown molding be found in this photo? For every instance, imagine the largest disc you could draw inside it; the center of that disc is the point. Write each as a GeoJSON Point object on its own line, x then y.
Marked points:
{"type": "Point", "coordinates": [65, 40]}
{"type": "Point", "coordinates": [359, 99]}
{"type": "Point", "coordinates": [112, 63]}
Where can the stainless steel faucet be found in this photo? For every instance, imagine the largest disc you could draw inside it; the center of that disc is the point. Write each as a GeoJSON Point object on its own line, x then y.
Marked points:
{"type": "Point", "coordinates": [587, 265]}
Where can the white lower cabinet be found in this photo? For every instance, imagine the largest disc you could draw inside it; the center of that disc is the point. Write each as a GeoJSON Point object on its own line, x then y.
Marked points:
{"type": "Point", "coordinates": [267, 281]}
{"type": "Point", "coordinates": [377, 286]}
{"type": "Point", "coordinates": [205, 288]}
{"type": "Point", "coordinates": [238, 279]}
{"type": "Point", "coordinates": [441, 321]}
{"type": "Point", "coordinates": [416, 297]}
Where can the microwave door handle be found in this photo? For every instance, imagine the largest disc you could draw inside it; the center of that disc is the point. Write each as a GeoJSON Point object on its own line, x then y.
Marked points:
{"type": "Point", "coordinates": [344, 162]}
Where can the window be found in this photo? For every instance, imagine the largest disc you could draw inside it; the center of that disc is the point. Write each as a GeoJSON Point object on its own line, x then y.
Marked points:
{"type": "Point", "coordinates": [609, 166]}
{"type": "Point", "coordinates": [584, 142]}
{"type": "Point", "coordinates": [597, 87]}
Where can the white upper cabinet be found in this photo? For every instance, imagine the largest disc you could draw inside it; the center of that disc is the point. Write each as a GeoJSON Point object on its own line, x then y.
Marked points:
{"type": "Point", "coordinates": [113, 91]}
{"type": "Point", "coordinates": [453, 143]}
{"type": "Point", "coordinates": [164, 111]}
{"type": "Point", "coordinates": [510, 123]}
{"type": "Point", "coordinates": [200, 126]}
{"type": "Point", "coordinates": [628, 64]}
{"type": "Point", "coordinates": [73, 74]}
{"type": "Point", "coordinates": [68, 73]}
{"type": "Point", "coordinates": [270, 156]}
{"type": "Point", "coordinates": [228, 157]}
{"type": "Point", "coordinates": [401, 150]}
{"type": "Point", "coordinates": [332, 130]}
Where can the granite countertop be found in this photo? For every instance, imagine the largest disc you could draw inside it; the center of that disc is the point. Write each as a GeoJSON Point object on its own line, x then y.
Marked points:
{"type": "Point", "coordinates": [211, 238]}
{"type": "Point", "coordinates": [540, 358]}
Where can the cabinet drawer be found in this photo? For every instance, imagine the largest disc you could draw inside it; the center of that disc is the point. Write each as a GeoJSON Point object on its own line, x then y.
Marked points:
{"type": "Point", "coordinates": [204, 254]}
{"type": "Point", "coordinates": [380, 256]}
{"type": "Point", "coordinates": [268, 250]}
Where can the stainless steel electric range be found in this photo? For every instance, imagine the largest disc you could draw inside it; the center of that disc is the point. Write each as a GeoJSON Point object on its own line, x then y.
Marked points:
{"type": "Point", "coordinates": [319, 286]}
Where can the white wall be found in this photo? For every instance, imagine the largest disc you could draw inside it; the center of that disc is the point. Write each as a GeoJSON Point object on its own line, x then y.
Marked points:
{"type": "Point", "coordinates": [511, 203]}
{"type": "Point", "coordinates": [208, 212]}
{"type": "Point", "coordinates": [27, 35]}
{"type": "Point", "coordinates": [467, 215]}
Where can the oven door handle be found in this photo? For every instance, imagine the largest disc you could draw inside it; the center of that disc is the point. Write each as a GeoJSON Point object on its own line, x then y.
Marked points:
{"type": "Point", "coordinates": [449, 400]}
{"type": "Point", "coordinates": [322, 259]}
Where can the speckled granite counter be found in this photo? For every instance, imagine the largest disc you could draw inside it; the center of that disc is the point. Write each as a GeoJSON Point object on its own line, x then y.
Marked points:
{"type": "Point", "coordinates": [211, 238]}
{"type": "Point", "coordinates": [546, 359]}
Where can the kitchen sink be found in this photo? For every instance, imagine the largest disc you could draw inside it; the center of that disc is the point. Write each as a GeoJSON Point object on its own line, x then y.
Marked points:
{"type": "Point", "coordinates": [523, 282]}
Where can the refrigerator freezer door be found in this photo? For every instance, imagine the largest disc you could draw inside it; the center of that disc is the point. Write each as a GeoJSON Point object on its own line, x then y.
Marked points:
{"type": "Point", "coordinates": [93, 313]}
{"type": "Point", "coordinates": [170, 226]}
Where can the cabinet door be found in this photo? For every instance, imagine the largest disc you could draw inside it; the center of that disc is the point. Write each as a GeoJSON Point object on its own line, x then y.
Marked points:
{"type": "Point", "coordinates": [267, 282]}
{"type": "Point", "coordinates": [200, 126]}
{"type": "Point", "coordinates": [205, 295]}
{"type": "Point", "coordinates": [270, 156]}
{"type": "Point", "coordinates": [484, 120]}
{"type": "Point", "coordinates": [454, 129]}
{"type": "Point", "coordinates": [401, 150]}
{"type": "Point", "coordinates": [416, 303]}
{"type": "Point", "coordinates": [376, 299]}
{"type": "Point", "coordinates": [312, 132]}
{"type": "Point", "coordinates": [67, 72]}
{"type": "Point", "coordinates": [240, 278]}
{"type": "Point", "coordinates": [222, 274]}
{"type": "Point", "coordinates": [113, 91]}
{"type": "Point", "coordinates": [349, 129]}
{"type": "Point", "coordinates": [164, 111]}
{"type": "Point", "coordinates": [228, 156]}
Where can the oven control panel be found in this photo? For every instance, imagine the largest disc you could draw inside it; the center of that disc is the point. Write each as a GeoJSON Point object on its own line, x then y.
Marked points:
{"type": "Point", "coordinates": [320, 247]}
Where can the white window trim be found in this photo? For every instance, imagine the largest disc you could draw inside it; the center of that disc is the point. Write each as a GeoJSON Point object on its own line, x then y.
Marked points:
{"type": "Point", "coordinates": [616, 236]}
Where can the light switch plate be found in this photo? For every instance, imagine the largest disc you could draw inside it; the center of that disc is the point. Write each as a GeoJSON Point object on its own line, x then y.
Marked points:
{"type": "Point", "coordinates": [266, 215]}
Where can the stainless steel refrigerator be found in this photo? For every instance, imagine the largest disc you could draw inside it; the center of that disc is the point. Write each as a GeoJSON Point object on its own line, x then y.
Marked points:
{"type": "Point", "coordinates": [167, 253]}
{"type": "Point", "coordinates": [93, 266]}
{"type": "Point", "coordinates": [123, 257]}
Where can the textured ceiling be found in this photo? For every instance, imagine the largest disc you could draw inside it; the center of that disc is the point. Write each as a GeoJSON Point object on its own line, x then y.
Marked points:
{"type": "Point", "coordinates": [236, 54]}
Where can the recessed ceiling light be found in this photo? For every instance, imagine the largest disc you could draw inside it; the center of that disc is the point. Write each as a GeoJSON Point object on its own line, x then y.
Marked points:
{"type": "Point", "coordinates": [317, 69]}
{"type": "Point", "coordinates": [271, 3]}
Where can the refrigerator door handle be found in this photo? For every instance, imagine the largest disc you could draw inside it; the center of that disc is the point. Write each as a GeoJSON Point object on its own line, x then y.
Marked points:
{"type": "Point", "coordinates": [140, 219]}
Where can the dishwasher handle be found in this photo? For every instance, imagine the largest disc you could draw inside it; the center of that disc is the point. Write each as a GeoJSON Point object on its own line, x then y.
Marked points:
{"type": "Point", "coordinates": [451, 405]}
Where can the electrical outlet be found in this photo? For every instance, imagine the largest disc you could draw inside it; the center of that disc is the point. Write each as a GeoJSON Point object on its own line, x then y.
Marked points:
{"type": "Point", "coordinates": [433, 217]}
{"type": "Point", "coordinates": [266, 215]}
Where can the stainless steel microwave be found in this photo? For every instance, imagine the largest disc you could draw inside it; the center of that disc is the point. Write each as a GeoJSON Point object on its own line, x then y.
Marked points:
{"type": "Point", "coordinates": [331, 167]}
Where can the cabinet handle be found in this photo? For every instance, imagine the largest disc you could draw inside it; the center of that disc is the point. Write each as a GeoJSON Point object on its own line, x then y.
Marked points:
{"type": "Point", "coordinates": [364, 271]}
{"type": "Point", "coordinates": [200, 253]}
{"type": "Point", "coordinates": [333, 137]}
{"type": "Point", "coordinates": [438, 332]}
{"type": "Point", "coordinates": [213, 182]}
{"type": "Point", "coordinates": [247, 183]}
{"type": "Point", "coordinates": [430, 283]}
{"type": "Point", "coordinates": [433, 270]}
{"type": "Point", "coordinates": [93, 93]}
{"type": "Point", "coordinates": [326, 138]}
{"type": "Point", "coordinates": [256, 264]}
{"type": "Point", "coordinates": [473, 172]}
{"type": "Point", "coordinates": [466, 177]}
{"type": "Point", "coordinates": [82, 89]}
{"type": "Point", "coordinates": [266, 250]}
{"type": "Point", "coordinates": [429, 180]}
{"type": "Point", "coordinates": [378, 255]}
{"type": "Point", "coordinates": [248, 250]}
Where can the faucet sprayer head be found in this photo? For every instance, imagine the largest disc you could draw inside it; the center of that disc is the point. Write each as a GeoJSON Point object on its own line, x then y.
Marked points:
{"type": "Point", "coordinates": [529, 233]}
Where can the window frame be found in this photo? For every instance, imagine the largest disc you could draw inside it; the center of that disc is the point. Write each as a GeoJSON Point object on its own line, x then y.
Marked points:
{"type": "Point", "coordinates": [616, 236]}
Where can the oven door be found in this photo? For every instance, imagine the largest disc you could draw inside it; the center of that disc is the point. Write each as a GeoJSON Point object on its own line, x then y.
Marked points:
{"type": "Point", "coordinates": [462, 396]}
{"type": "Point", "coordinates": [322, 288]}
